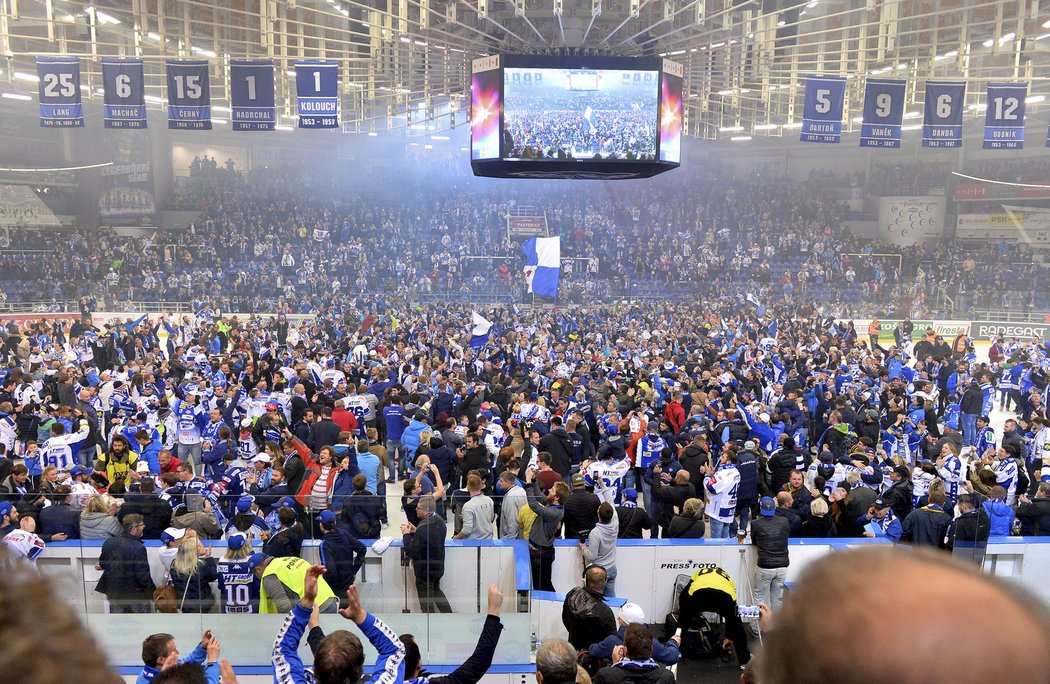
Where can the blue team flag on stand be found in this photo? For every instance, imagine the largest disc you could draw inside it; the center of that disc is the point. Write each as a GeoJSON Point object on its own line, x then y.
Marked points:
{"type": "Point", "coordinates": [543, 265]}
{"type": "Point", "coordinates": [773, 329]}
{"type": "Point", "coordinates": [479, 336]}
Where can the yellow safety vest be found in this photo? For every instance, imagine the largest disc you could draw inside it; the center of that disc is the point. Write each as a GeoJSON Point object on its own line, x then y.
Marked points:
{"type": "Point", "coordinates": [712, 578]}
{"type": "Point", "coordinates": [291, 571]}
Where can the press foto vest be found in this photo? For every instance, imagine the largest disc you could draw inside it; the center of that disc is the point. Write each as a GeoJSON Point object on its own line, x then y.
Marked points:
{"type": "Point", "coordinates": [291, 572]}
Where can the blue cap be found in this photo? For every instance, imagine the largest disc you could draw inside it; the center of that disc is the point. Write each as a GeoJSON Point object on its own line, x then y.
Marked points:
{"type": "Point", "coordinates": [326, 518]}
{"type": "Point", "coordinates": [244, 504]}
{"type": "Point", "coordinates": [767, 506]}
{"type": "Point", "coordinates": [255, 559]}
{"type": "Point", "coordinates": [630, 494]}
{"type": "Point", "coordinates": [235, 542]}
{"type": "Point", "coordinates": [77, 471]}
{"type": "Point", "coordinates": [286, 502]}
{"type": "Point", "coordinates": [5, 508]}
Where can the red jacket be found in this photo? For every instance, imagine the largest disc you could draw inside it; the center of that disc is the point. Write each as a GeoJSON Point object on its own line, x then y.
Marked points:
{"type": "Point", "coordinates": [313, 471]}
{"type": "Point", "coordinates": [346, 421]}
{"type": "Point", "coordinates": [674, 414]}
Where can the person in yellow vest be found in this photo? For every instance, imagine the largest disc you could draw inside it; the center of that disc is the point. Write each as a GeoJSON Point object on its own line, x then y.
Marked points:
{"type": "Point", "coordinates": [282, 581]}
{"type": "Point", "coordinates": [874, 331]}
{"type": "Point", "coordinates": [712, 590]}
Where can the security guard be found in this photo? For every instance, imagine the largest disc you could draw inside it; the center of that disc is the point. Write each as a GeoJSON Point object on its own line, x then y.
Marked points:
{"type": "Point", "coordinates": [712, 590]}
{"type": "Point", "coordinates": [282, 582]}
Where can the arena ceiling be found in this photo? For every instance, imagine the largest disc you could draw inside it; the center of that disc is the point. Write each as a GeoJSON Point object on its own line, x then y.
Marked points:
{"type": "Point", "coordinates": [407, 62]}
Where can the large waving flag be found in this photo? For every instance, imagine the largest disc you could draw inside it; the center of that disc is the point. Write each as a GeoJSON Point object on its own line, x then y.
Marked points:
{"type": "Point", "coordinates": [543, 265]}
{"type": "Point", "coordinates": [479, 336]}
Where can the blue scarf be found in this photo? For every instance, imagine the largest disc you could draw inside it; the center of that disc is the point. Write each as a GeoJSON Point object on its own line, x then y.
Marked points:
{"type": "Point", "coordinates": [646, 664]}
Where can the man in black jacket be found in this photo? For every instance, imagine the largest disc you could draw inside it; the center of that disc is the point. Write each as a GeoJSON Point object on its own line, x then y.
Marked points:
{"type": "Point", "coordinates": [899, 493]}
{"type": "Point", "coordinates": [694, 457]}
{"type": "Point", "coordinates": [425, 546]}
{"type": "Point", "coordinates": [155, 511]}
{"type": "Point", "coordinates": [559, 446]}
{"type": "Point", "coordinates": [633, 661]}
{"type": "Point", "coordinates": [326, 431]}
{"type": "Point", "coordinates": [363, 510]}
{"type": "Point", "coordinates": [782, 463]}
{"type": "Point", "coordinates": [769, 532]}
{"type": "Point", "coordinates": [585, 614]}
{"type": "Point", "coordinates": [632, 517]}
{"type": "Point", "coordinates": [785, 510]}
{"type": "Point", "coordinates": [928, 525]}
{"type": "Point", "coordinates": [59, 518]}
{"type": "Point", "coordinates": [126, 579]}
{"type": "Point", "coordinates": [581, 510]}
{"type": "Point", "coordinates": [969, 532]}
{"type": "Point", "coordinates": [341, 552]}
{"type": "Point", "coordinates": [672, 495]}
{"type": "Point", "coordinates": [1034, 514]}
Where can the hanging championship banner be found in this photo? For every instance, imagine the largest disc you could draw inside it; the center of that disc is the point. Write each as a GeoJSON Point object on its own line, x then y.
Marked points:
{"type": "Point", "coordinates": [124, 93]}
{"type": "Point", "coordinates": [883, 113]}
{"type": "Point", "coordinates": [1004, 118]}
{"type": "Point", "coordinates": [60, 105]}
{"type": "Point", "coordinates": [317, 94]}
{"type": "Point", "coordinates": [189, 95]}
{"type": "Point", "coordinates": [822, 117]}
{"type": "Point", "coordinates": [251, 95]}
{"type": "Point", "coordinates": [943, 114]}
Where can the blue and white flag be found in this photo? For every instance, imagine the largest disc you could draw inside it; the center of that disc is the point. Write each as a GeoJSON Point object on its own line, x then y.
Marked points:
{"type": "Point", "coordinates": [124, 93]}
{"type": "Point", "coordinates": [252, 95]}
{"type": "Point", "coordinates": [317, 94]}
{"type": "Point", "coordinates": [773, 329]}
{"type": "Point", "coordinates": [543, 265]}
{"type": "Point", "coordinates": [60, 105]}
{"type": "Point", "coordinates": [189, 95]}
{"type": "Point", "coordinates": [942, 123]}
{"type": "Point", "coordinates": [822, 114]}
{"type": "Point", "coordinates": [883, 113]}
{"type": "Point", "coordinates": [479, 336]}
{"type": "Point", "coordinates": [1004, 118]}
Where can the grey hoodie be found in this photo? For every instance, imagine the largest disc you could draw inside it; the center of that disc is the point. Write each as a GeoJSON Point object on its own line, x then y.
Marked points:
{"type": "Point", "coordinates": [99, 526]}
{"type": "Point", "coordinates": [600, 548]}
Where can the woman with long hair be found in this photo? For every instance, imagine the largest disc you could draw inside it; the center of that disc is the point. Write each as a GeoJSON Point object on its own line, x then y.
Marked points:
{"type": "Point", "coordinates": [98, 520]}
{"type": "Point", "coordinates": [192, 573]}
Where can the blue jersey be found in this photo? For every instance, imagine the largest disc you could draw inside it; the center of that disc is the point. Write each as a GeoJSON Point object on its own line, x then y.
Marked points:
{"type": "Point", "coordinates": [238, 587]}
{"type": "Point", "coordinates": [394, 416]}
{"type": "Point", "coordinates": [649, 449]}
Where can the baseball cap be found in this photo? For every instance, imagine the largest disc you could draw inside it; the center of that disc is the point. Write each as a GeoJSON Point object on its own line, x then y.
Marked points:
{"type": "Point", "coordinates": [749, 445]}
{"type": "Point", "coordinates": [767, 506]}
{"type": "Point", "coordinates": [326, 518]}
{"type": "Point", "coordinates": [142, 467]}
{"type": "Point", "coordinates": [5, 508]}
{"type": "Point", "coordinates": [77, 471]}
{"type": "Point", "coordinates": [880, 503]}
{"type": "Point", "coordinates": [141, 415]}
{"type": "Point", "coordinates": [171, 534]}
{"type": "Point", "coordinates": [632, 613]}
{"type": "Point", "coordinates": [236, 541]}
{"type": "Point", "coordinates": [286, 502]}
{"type": "Point", "coordinates": [630, 494]}
{"type": "Point", "coordinates": [577, 480]}
{"type": "Point", "coordinates": [262, 458]}
{"type": "Point", "coordinates": [246, 424]}
{"type": "Point", "coordinates": [244, 504]}
{"type": "Point", "coordinates": [271, 406]}
{"type": "Point", "coordinates": [255, 559]}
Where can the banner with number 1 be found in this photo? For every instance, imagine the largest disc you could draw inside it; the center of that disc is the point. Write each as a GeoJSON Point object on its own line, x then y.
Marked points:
{"type": "Point", "coordinates": [252, 95]}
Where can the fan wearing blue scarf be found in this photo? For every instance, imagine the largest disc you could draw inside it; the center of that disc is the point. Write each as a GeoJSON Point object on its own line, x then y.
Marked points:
{"type": "Point", "coordinates": [633, 661]}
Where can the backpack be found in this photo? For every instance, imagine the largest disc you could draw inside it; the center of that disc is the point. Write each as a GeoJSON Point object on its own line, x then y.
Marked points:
{"type": "Point", "coordinates": [361, 525]}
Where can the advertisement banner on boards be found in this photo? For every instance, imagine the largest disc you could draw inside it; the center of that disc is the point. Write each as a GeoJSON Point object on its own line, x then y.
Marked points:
{"type": "Point", "coordinates": [945, 329]}
{"type": "Point", "coordinates": [987, 330]}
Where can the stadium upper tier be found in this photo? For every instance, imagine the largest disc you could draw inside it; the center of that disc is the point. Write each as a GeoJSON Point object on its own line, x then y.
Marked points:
{"type": "Point", "coordinates": [295, 239]}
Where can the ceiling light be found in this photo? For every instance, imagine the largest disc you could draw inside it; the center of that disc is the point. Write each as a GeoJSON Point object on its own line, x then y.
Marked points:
{"type": "Point", "coordinates": [978, 107]}
{"type": "Point", "coordinates": [740, 138]}
{"type": "Point", "coordinates": [372, 134]}
{"type": "Point", "coordinates": [421, 42]}
{"type": "Point", "coordinates": [745, 90]}
{"type": "Point", "coordinates": [284, 128]}
{"type": "Point", "coordinates": [793, 124]}
{"type": "Point", "coordinates": [440, 137]}
{"type": "Point", "coordinates": [902, 65]}
{"type": "Point", "coordinates": [678, 52]}
{"type": "Point", "coordinates": [101, 17]}
{"type": "Point", "coordinates": [857, 119]}
{"type": "Point", "coordinates": [219, 121]}
{"type": "Point", "coordinates": [202, 51]}
{"type": "Point", "coordinates": [428, 147]}
{"type": "Point", "coordinates": [221, 109]}
{"type": "Point", "coordinates": [730, 129]}
{"type": "Point", "coordinates": [464, 149]}
{"type": "Point", "coordinates": [1042, 37]}
{"type": "Point", "coordinates": [988, 43]}
{"type": "Point", "coordinates": [692, 50]}
{"type": "Point", "coordinates": [912, 115]}
{"type": "Point", "coordinates": [717, 45]}
{"type": "Point", "coordinates": [1007, 38]}
{"type": "Point", "coordinates": [405, 39]}
{"type": "Point", "coordinates": [725, 92]}
{"type": "Point", "coordinates": [290, 72]}
{"type": "Point", "coordinates": [946, 55]}
{"type": "Point", "coordinates": [21, 76]}
{"type": "Point", "coordinates": [765, 127]}
{"type": "Point", "coordinates": [153, 98]}
{"type": "Point", "coordinates": [1034, 99]}
{"type": "Point", "coordinates": [16, 96]}
{"type": "Point", "coordinates": [781, 23]}
{"type": "Point", "coordinates": [1046, 24]}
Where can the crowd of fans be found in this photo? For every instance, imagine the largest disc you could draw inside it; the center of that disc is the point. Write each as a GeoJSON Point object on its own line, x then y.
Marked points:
{"type": "Point", "coordinates": [603, 423]}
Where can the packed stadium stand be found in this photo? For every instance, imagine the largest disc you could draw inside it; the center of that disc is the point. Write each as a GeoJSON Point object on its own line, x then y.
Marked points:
{"type": "Point", "coordinates": [678, 396]}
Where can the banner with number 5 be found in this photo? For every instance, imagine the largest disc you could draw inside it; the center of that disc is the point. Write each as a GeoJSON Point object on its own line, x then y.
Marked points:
{"type": "Point", "coordinates": [1004, 118]}
{"type": "Point", "coordinates": [251, 95]}
{"type": "Point", "coordinates": [822, 117]}
{"type": "Point", "coordinates": [942, 122]}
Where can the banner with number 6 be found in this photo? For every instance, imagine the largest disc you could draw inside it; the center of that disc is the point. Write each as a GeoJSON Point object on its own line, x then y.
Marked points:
{"type": "Point", "coordinates": [943, 114]}
{"type": "Point", "coordinates": [1004, 118]}
{"type": "Point", "coordinates": [124, 93]}
{"type": "Point", "coordinates": [189, 95]}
